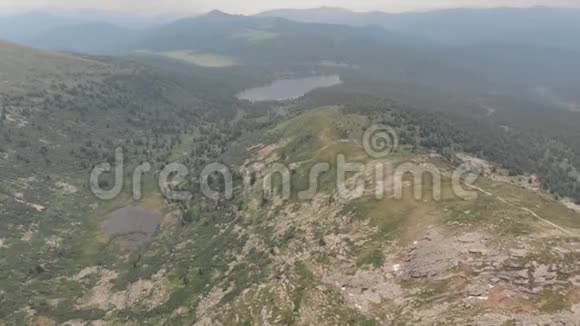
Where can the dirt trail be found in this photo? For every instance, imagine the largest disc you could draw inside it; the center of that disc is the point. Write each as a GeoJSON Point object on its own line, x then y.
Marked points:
{"type": "Point", "coordinates": [524, 209]}
{"type": "Point", "coordinates": [417, 224]}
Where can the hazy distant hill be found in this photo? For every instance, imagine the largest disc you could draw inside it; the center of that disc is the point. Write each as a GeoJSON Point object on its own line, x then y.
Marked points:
{"type": "Point", "coordinates": [442, 49]}
{"type": "Point", "coordinates": [220, 30]}
{"type": "Point", "coordinates": [88, 37]}
{"type": "Point", "coordinates": [399, 50]}
{"type": "Point", "coordinates": [540, 26]}
{"type": "Point", "coordinates": [328, 15]}
{"type": "Point", "coordinates": [41, 29]}
{"type": "Point", "coordinates": [25, 28]}
{"type": "Point", "coordinates": [283, 45]}
{"type": "Point", "coordinates": [379, 53]}
{"type": "Point", "coordinates": [530, 65]}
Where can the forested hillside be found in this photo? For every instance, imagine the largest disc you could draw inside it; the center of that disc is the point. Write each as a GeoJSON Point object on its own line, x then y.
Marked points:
{"type": "Point", "coordinates": [63, 114]}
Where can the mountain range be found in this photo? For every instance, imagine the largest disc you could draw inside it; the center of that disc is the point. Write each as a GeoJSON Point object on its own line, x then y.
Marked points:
{"type": "Point", "coordinates": [536, 26]}
{"type": "Point", "coordinates": [459, 41]}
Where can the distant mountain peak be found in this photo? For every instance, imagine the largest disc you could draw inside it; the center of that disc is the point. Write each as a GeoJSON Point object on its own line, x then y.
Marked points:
{"type": "Point", "coordinates": [218, 13]}
{"type": "Point", "coordinates": [330, 8]}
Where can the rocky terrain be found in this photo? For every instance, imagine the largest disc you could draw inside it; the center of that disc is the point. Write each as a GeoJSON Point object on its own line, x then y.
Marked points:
{"type": "Point", "coordinates": [435, 264]}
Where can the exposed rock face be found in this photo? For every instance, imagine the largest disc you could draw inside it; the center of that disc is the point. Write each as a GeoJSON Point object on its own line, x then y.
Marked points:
{"type": "Point", "coordinates": [478, 273]}
{"type": "Point", "coordinates": [366, 288]}
{"type": "Point", "coordinates": [436, 254]}
{"type": "Point", "coordinates": [433, 256]}
{"type": "Point", "coordinates": [150, 293]}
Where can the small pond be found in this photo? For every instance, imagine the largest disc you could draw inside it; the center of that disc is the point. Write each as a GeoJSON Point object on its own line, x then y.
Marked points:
{"type": "Point", "coordinates": [132, 226]}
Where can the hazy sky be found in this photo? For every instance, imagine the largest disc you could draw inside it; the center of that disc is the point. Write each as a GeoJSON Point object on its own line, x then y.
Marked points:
{"type": "Point", "coordinates": [182, 7]}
